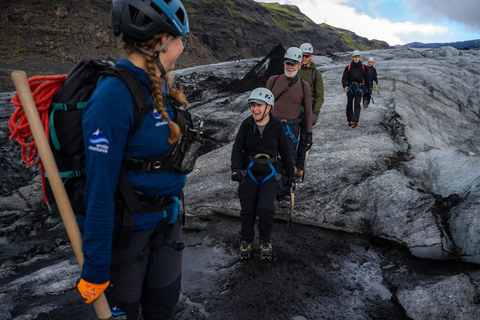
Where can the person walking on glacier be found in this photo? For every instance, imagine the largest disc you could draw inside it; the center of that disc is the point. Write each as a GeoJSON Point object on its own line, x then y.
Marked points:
{"type": "Point", "coordinates": [354, 76]}
{"type": "Point", "coordinates": [293, 94]}
{"type": "Point", "coordinates": [372, 76]}
{"type": "Point", "coordinates": [309, 73]}
{"type": "Point", "coordinates": [258, 151]}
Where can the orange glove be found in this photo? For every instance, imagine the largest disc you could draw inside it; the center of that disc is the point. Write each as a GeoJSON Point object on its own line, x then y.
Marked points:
{"type": "Point", "coordinates": [91, 291]}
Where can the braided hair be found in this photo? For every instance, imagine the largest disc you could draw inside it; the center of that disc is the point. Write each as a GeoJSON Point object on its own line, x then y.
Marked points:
{"type": "Point", "coordinates": [158, 85]}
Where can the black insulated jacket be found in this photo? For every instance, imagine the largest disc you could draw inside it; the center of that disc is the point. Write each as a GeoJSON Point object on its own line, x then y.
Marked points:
{"type": "Point", "coordinates": [356, 74]}
{"type": "Point", "coordinates": [273, 142]}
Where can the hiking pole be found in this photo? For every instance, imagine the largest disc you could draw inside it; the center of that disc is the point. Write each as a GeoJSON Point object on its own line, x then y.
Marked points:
{"type": "Point", "coordinates": [21, 83]}
{"type": "Point", "coordinates": [292, 205]}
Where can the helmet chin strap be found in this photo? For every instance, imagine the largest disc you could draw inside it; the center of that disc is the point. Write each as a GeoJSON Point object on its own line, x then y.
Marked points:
{"type": "Point", "coordinates": [156, 54]}
{"type": "Point", "coordinates": [264, 114]}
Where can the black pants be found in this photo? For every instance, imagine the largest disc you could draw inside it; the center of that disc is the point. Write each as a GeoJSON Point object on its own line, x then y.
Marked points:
{"type": "Point", "coordinates": [294, 151]}
{"type": "Point", "coordinates": [257, 201]}
{"type": "Point", "coordinates": [353, 114]}
{"type": "Point", "coordinates": [302, 147]}
{"type": "Point", "coordinates": [366, 96]}
{"type": "Point", "coordinates": [153, 283]}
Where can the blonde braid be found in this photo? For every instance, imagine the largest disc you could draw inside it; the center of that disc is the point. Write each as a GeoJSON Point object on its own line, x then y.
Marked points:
{"type": "Point", "coordinates": [174, 134]}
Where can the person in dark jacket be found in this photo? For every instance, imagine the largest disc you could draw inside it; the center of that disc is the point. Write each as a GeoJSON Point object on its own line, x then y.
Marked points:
{"type": "Point", "coordinates": [372, 76]}
{"type": "Point", "coordinates": [354, 76]}
{"type": "Point", "coordinates": [259, 148]}
{"type": "Point", "coordinates": [145, 275]}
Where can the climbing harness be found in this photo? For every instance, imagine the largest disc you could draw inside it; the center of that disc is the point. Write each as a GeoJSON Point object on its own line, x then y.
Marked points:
{"type": "Point", "coordinates": [164, 227]}
{"type": "Point", "coordinates": [266, 160]}
{"type": "Point", "coordinates": [357, 86]}
{"type": "Point", "coordinates": [288, 131]}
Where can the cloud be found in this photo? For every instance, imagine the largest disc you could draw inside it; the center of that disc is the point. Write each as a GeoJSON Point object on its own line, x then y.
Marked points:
{"type": "Point", "coordinates": [466, 12]}
{"type": "Point", "coordinates": [338, 14]}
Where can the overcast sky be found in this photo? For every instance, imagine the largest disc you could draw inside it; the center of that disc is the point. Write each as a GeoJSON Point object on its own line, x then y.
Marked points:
{"type": "Point", "coordinates": [398, 21]}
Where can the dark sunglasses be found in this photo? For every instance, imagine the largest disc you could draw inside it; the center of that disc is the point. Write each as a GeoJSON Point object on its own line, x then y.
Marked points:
{"type": "Point", "coordinates": [306, 56]}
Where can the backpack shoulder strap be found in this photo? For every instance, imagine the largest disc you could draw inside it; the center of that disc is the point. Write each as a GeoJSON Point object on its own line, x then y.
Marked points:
{"type": "Point", "coordinates": [314, 76]}
{"type": "Point", "coordinates": [290, 84]}
{"type": "Point", "coordinates": [273, 84]}
{"type": "Point", "coordinates": [135, 87]}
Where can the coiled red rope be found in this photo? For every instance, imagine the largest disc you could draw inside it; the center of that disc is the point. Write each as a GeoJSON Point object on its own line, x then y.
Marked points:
{"type": "Point", "coordinates": [43, 89]}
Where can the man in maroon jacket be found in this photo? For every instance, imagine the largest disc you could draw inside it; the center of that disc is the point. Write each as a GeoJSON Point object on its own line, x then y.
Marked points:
{"type": "Point", "coordinates": [291, 93]}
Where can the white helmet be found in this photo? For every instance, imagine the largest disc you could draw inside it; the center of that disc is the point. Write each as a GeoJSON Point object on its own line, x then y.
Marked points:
{"type": "Point", "coordinates": [356, 53]}
{"type": "Point", "coordinates": [306, 48]}
{"type": "Point", "coordinates": [261, 96]}
{"type": "Point", "coordinates": [371, 59]}
{"type": "Point", "coordinates": [293, 54]}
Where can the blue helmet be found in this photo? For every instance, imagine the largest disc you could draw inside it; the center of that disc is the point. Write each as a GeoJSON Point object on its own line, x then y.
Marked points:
{"type": "Point", "coordinates": [142, 19]}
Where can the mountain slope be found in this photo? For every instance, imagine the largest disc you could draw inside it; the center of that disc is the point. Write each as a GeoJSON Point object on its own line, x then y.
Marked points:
{"type": "Point", "coordinates": [248, 28]}
{"type": "Point", "coordinates": [471, 44]}
{"type": "Point", "coordinates": [69, 31]}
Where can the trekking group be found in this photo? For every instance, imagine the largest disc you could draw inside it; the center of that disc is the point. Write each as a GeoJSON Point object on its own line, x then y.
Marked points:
{"type": "Point", "coordinates": [137, 148]}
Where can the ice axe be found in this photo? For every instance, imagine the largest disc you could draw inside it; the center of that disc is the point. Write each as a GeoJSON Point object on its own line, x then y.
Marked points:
{"type": "Point", "coordinates": [376, 88]}
{"type": "Point", "coordinates": [292, 205]}
{"type": "Point", "coordinates": [21, 83]}
{"type": "Point", "coordinates": [305, 165]}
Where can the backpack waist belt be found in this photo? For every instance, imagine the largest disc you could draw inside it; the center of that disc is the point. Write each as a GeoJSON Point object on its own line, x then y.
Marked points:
{"type": "Point", "coordinates": [274, 173]}
{"type": "Point", "coordinates": [146, 165]}
{"type": "Point", "coordinates": [293, 121]}
{"type": "Point", "coordinates": [166, 201]}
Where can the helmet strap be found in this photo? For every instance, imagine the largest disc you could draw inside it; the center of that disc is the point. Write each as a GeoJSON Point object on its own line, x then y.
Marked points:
{"type": "Point", "coordinates": [264, 114]}
{"type": "Point", "coordinates": [156, 54]}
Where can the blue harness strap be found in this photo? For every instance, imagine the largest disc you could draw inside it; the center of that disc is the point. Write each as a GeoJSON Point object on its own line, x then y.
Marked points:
{"type": "Point", "coordinates": [358, 88]}
{"type": "Point", "coordinates": [274, 173]}
{"type": "Point", "coordinates": [290, 134]}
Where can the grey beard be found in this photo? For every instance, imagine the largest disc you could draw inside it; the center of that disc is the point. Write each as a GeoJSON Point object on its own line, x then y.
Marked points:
{"type": "Point", "coordinates": [293, 76]}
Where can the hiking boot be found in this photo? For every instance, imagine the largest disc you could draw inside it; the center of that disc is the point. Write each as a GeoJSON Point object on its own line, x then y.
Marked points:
{"type": "Point", "coordinates": [284, 202]}
{"type": "Point", "coordinates": [354, 124]}
{"type": "Point", "coordinates": [266, 249]}
{"type": "Point", "coordinates": [350, 123]}
{"type": "Point", "coordinates": [245, 250]}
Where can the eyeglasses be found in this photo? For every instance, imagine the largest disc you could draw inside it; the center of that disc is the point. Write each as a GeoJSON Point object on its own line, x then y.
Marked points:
{"type": "Point", "coordinates": [184, 41]}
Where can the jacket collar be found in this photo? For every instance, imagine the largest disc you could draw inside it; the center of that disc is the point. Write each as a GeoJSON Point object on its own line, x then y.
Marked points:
{"type": "Point", "coordinates": [270, 123]}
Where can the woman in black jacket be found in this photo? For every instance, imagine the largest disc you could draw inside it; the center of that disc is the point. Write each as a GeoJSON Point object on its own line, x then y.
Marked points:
{"type": "Point", "coordinates": [259, 147]}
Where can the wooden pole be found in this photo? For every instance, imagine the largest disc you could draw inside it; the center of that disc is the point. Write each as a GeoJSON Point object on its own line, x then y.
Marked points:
{"type": "Point", "coordinates": [23, 88]}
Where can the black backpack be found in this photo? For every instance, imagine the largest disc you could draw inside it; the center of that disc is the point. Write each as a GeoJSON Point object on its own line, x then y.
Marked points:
{"type": "Point", "coordinates": [66, 140]}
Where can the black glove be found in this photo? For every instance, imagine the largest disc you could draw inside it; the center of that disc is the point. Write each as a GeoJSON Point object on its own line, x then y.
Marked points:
{"type": "Point", "coordinates": [315, 117]}
{"type": "Point", "coordinates": [237, 175]}
{"type": "Point", "coordinates": [308, 140]}
{"type": "Point", "coordinates": [291, 182]}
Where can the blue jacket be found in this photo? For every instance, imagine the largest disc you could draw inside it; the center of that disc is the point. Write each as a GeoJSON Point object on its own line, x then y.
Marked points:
{"type": "Point", "coordinates": [107, 128]}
